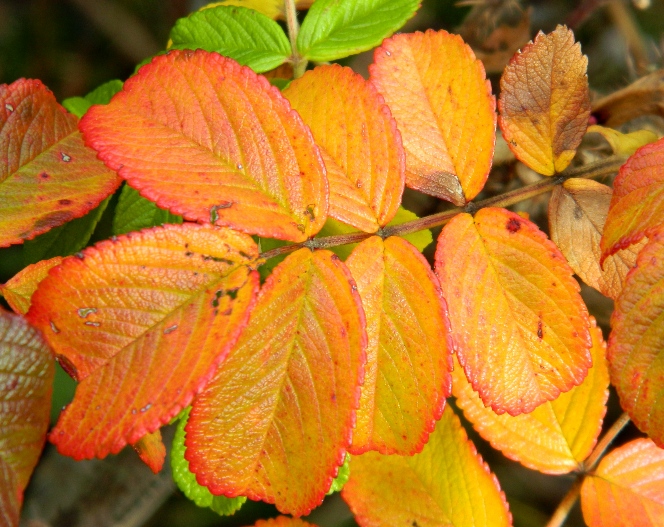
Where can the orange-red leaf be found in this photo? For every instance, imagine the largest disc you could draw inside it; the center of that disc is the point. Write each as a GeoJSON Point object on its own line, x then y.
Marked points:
{"type": "Point", "coordinates": [637, 204]}
{"type": "Point", "coordinates": [283, 521]}
{"type": "Point", "coordinates": [142, 321]}
{"type": "Point", "coordinates": [577, 213]}
{"type": "Point", "coordinates": [545, 101]}
{"type": "Point", "coordinates": [360, 143]}
{"type": "Point", "coordinates": [518, 321]}
{"type": "Point", "coordinates": [275, 421]}
{"type": "Point", "coordinates": [557, 436]}
{"type": "Point", "coordinates": [19, 289]}
{"type": "Point", "coordinates": [152, 451]}
{"type": "Point", "coordinates": [446, 484]}
{"type": "Point", "coordinates": [637, 340]}
{"type": "Point", "coordinates": [627, 489]}
{"type": "Point", "coordinates": [47, 175]}
{"type": "Point", "coordinates": [437, 92]}
{"type": "Point", "coordinates": [407, 376]}
{"type": "Point", "coordinates": [210, 140]}
{"type": "Point", "coordinates": [26, 382]}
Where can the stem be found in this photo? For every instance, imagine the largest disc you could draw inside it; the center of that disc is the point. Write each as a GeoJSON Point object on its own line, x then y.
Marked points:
{"type": "Point", "coordinates": [560, 514]}
{"type": "Point", "coordinates": [591, 461]}
{"type": "Point", "coordinates": [299, 62]}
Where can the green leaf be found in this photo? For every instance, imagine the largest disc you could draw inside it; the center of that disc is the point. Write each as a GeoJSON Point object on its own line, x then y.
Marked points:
{"type": "Point", "coordinates": [342, 476]}
{"type": "Point", "coordinates": [100, 95]}
{"type": "Point", "coordinates": [64, 240]}
{"type": "Point", "coordinates": [242, 34]}
{"type": "Point", "coordinates": [334, 29]}
{"type": "Point", "coordinates": [186, 480]}
{"type": "Point", "coordinates": [134, 213]}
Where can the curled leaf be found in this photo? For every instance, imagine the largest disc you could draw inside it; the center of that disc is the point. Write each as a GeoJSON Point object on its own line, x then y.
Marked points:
{"type": "Point", "coordinates": [152, 451]}
{"type": "Point", "coordinates": [624, 144]}
{"type": "Point", "coordinates": [19, 289]}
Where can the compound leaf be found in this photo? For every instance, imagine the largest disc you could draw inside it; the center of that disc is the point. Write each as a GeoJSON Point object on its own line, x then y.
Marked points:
{"type": "Point", "coordinates": [438, 94]}
{"type": "Point", "coordinates": [212, 141]}
{"type": "Point", "coordinates": [275, 421]}
{"type": "Point", "coordinates": [545, 101]}
{"type": "Point", "coordinates": [518, 322]}
{"type": "Point", "coordinates": [407, 376]}
{"type": "Point", "coordinates": [19, 289]}
{"type": "Point", "coordinates": [142, 321]}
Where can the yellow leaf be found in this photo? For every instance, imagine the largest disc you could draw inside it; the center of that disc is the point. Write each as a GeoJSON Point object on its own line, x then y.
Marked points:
{"type": "Point", "coordinates": [624, 144]}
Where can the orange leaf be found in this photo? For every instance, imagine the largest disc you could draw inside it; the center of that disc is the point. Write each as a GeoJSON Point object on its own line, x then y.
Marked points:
{"type": "Point", "coordinates": [637, 204]}
{"type": "Point", "coordinates": [544, 101]}
{"type": "Point", "coordinates": [360, 143]}
{"type": "Point", "coordinates": [48, 177]}
{"type": "Point", "coordinates": [577, 213]}
{"type": "Point", "coordinates": [19, 289]}
{"type": "Point", "coordinates": [627, 489]}
{"type": "Point", "coordinates": [142, 320]}
{"type": "Point", "coordinates": [518, 321]}
{"type": "Point", "coordinates": [212, 141]}
{"type": "Point", "coordinates": [283, 521]}
{"type": "Point", "coordinates": [10, 501]}
{"type": "Point", "coordinates": [557, 436]}
{"type": "Point", "coordinates": [407, 376]}
{"type": "Point", "coordinates": [275, 421]}
{"type": "Point", "coordinates": [152, 451]}
{"type": "Point", "coordinates": [446, 484]}
{"type": "Point", "coordinates": [26, 382]}
{"type": "Point", "coordinates": [637, 339]}
{"type": "Point", "coordinates": [437, 92]}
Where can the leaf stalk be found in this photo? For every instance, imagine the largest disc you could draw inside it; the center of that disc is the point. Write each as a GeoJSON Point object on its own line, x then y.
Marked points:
{"type": "Point", "coordinates": [299, 62]}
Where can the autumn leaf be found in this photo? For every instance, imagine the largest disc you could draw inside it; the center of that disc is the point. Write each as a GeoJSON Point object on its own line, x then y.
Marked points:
{"type": "Point", "coordinates": [26, 378]}
{"type": "Point", "coordinates": [518, 322]}
{"type": "Point", "coordinates": [438, 94]}
{"type": "Point", "coordinates": [142, 321]}
{"type": "Point", "coordinates": [446, 484]}
{"type": "Point", "coordinates": [152, 451]}
{"type": "Point", "coordinates": [637, 204]}
{"type": "Point", "coordinates": [242, 158]}
{"type": "Point", "coordinates": [407, 376]}
{"type": "Point", "coordinates": [48, 176]}
{"type": "Point", "coordinates": [359, 142]}
{"type": "Point", "coordinates": [557, 436]}
{"type": "Point", "coordinates": [544, 101]}
{"type": "Point", "coordinates": [624, 144]}
{"type": "Point", "coordinates": [19, 289]}
{"type": "Point", "coordinates": [283, 521]}
{"type": "Point", "coordinates": [637, 339]}
{"type": "Point", "coordinates": [275, 421]}
{"type": "Point", "coordinates": [577, 214]}
{"type": "Point", "coordinates": [627, 489]}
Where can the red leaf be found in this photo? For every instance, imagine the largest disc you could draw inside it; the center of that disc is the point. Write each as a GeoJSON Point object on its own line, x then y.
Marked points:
{"type": "Point", "coordinates": [409, 354]}
{"type": "Point", "coordinates": [283, 521]}
{"type": "Point", "coordinates": [275, 421]}
{"type": "Point", "coordinates": [210, 140]}
{"type": "Point", "coordinates": [360, 144]}
{"type": "Point", "coordinates": [143, 321]}
{"type": "Point", "coordinates": [152, 451]}
{"type": "Point", "coordinates": [48, 177]}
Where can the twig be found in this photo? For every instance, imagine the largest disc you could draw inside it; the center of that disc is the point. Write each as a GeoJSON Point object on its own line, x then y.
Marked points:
{"type": "Point", "coordinates": [299, 62]}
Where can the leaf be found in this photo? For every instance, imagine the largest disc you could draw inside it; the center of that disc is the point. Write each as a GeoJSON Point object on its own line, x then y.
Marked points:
{"type": "Point", "coordinates": [334, 29]}
{"type": "Point", "coordinates": [242, 158]}
{"type": "Point", "coordinates": [407, 376]}
{"type": "Point", "coordinates": [270, 8]}
{"type": "Point", "coordinates": [100, 95]}
{"type": "Point", "coordinates": [10, 503]}
{"type": "Point", "coordinates": [134, 213]}
{"type": "Point", "coordinates": [624, 144]}
{"type": "Point", "coordinates": [48, 176]}
{"type": "Point", "coordinates": [275, 421]}
{"type": "Point", "coordinates": [518, 322]}
{"type": "Point", "coordinates": [147, 316]}
{"type": "Point", "coordinates": [446, 484]}
{"type": "Point", "coordinates": [152, 451]}
{"type": "Point", "coordinates": [342, 477]}
{"type": "Point", "coordinates": [627, 488]}
{"type": "Point", "coordinates": [359, 142]}
{"type": "Point", "coordinates": [66, 239]}
{"type": "Point", "coordinates": [242, 34]}
{"type": "Point", "coordinates": [186, 480]}
{"type": "Point", "coordinates": [26, 381]}
{"type": "Point", "coordinates": [545, 101]}
{"type": "Point", "coordinates": [438, 94]}
{"type": "Point", "coordinates": [577, 214]}
{"type": "Point", "coordinates": [557, 436]}
{"type": "Point", "coordinates": [19, 289]}
{"type": "Point", "coordinates": [637, 204]}
{"type": "Point", "coordinates": [283, 521]}
{"type": "Point", "coordinates": [636, 340]}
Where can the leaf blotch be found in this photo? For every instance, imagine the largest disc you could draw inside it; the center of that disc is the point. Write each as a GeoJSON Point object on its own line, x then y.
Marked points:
{"type": "Point", "coordinates": [513, 225]}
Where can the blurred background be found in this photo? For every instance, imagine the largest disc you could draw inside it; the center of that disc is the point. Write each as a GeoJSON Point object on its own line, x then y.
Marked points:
{"type": "Point", "coordinates": [75, 45]}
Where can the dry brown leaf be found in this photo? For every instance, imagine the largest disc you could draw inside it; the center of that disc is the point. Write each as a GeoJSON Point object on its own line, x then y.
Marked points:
{"type": "Point", "coordinates": [643, 97]}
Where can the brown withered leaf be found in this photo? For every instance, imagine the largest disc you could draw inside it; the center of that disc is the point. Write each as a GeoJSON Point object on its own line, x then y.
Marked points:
{"type": "Point", "coordinates": [643, 97]}
{"type": "Point", "coordinates": [577, 213]}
